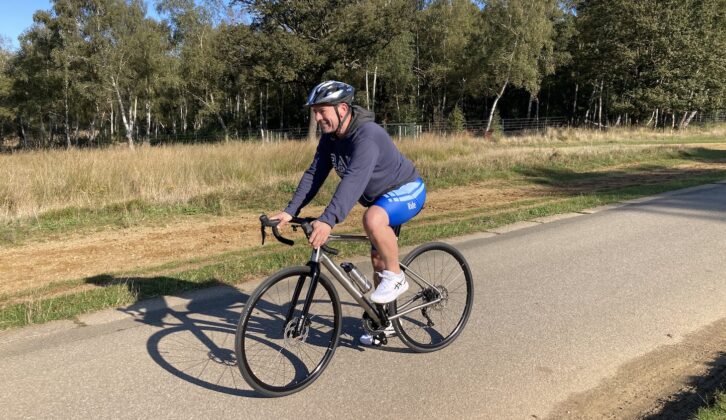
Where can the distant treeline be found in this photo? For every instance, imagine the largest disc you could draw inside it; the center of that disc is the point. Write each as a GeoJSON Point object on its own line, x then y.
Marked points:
{"type": "Point", "coordinates": [93, 72]}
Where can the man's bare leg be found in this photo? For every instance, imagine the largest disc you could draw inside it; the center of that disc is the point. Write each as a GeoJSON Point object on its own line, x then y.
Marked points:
{"type": "Point", "coordinates": [375, 222]}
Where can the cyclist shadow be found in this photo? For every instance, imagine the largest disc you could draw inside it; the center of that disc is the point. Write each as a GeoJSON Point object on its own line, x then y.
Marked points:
{"type": "Point", "coordinates": [196, 343]}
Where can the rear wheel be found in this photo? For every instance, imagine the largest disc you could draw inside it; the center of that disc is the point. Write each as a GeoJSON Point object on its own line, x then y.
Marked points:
{"type": "Point", "coordinates": [278, 357]}
{"type": "Point", "coordinates": [449, 278]}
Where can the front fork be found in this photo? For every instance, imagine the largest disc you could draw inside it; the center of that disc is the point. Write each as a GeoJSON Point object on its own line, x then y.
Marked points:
{"type": "Point", "coordinates": [314, 265]}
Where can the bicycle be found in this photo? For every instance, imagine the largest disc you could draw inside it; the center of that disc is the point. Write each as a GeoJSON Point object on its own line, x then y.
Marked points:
{"type": "Point", "coordinates": [290, 326]}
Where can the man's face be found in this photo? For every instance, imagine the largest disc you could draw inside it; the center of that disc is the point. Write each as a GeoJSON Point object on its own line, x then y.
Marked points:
{"type": "Point", "coordinates": [326, 117]}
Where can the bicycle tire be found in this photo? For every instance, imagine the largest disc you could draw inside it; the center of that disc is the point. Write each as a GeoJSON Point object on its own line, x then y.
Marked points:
{"type": "Point", "coordinates": [263, 336]}
{"type": "Point", "coordinates": [443, 266]}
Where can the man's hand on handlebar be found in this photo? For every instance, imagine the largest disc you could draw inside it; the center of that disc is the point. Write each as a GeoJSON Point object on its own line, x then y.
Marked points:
{"type": "Point", "coordinates": [282, 217]}
{"type": "Point", "coordinates": [321, 231]}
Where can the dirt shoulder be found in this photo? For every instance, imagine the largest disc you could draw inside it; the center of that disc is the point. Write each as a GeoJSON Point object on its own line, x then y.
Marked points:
{"type": "Point", "coordinates": [671, 382]}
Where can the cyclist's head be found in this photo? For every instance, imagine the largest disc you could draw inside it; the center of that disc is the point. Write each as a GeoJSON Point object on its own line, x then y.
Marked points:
{"type": "Point", "coordinates": [326, 99]}
{"type": "Point", "coordinates": [331, 92]}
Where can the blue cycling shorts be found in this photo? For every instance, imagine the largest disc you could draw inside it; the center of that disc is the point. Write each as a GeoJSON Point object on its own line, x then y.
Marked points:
{"type": "Point", "coordinates": [403, 203]}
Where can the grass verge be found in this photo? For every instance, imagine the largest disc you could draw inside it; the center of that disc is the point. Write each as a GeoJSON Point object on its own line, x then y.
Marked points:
{"type": "Point", "coordinates": [715, 411]}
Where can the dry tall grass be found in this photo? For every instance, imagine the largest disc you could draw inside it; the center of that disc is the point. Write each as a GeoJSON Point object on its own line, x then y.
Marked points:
{"type": "Point", "coordinates": [39, 181]}
{"type": "Point", "coordinates": [35, 182]}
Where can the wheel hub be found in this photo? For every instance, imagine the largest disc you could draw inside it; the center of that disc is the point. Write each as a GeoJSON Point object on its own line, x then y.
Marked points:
{"type": "Point", "coordinates": [441, 305]}
{"type": "Point", "coordinates": [223, 357]}
{"type": "Point", "coordinates": [292, 339]}
{"type": "Point", "coordinates": [430, 294]}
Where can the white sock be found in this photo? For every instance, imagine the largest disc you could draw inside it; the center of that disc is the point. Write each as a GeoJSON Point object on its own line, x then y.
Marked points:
{"type": "Point", "coordinates": [392, 275]}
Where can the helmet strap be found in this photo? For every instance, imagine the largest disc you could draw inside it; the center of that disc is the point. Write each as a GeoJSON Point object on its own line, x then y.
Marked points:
{"type": "Point", "coordinates": [341, 120]}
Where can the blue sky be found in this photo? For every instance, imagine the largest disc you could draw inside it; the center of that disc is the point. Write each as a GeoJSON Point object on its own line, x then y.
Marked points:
{"type": "Point", "coordinates": [17, 15]}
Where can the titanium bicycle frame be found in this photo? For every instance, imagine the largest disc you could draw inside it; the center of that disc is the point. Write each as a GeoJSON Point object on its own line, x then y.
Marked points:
{"type": "Point", "coordinates": [375, 311]}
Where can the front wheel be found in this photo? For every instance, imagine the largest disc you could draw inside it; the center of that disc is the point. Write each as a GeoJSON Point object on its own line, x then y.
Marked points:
{"type": "Point", "coordinates": [449, 282]}
{"type": "Point", "coordinates": [279, 353]}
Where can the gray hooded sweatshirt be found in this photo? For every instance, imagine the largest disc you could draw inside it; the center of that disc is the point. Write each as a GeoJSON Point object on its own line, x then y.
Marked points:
{"type": "Point", "coordinates": [366, 160]}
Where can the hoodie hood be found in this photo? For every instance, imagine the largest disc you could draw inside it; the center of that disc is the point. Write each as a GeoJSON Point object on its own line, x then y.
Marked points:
{"type": "Point", "coordinates": [359, 117]}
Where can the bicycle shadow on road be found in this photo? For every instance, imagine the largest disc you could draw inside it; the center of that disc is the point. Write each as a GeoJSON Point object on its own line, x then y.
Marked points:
{"type": "Point", "coordinates": [698, 393]}
{"type": "Point", "coordinates": [196, 340]}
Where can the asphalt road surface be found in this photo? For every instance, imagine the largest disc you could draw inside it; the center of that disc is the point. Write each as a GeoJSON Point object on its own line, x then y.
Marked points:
{"type": "Point", "coordinates": [559, 306]}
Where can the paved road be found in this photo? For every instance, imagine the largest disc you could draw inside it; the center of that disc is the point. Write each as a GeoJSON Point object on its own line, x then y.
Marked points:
{"type": "Point", "coordinates": [559, 307]}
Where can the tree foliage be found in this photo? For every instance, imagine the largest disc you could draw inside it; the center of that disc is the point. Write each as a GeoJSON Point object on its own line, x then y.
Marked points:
{"type": "Point", "coordinates": [93, 72]}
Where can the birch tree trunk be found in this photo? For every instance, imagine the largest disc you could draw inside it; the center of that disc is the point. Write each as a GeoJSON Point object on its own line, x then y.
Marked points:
{"type": "Point", "coordinates": [651, 118]}
{"type": "Point", "coordinates": [247, 112]}
{"type": "Point", "coordinates": [66, 123]}
{"type": "Point", "coordinates": [112, 120]}
{"type": "Point", "coordinates": [529, 106]}
{"type": "Point", "coordinates": [133, 118]}
{"type": "Point", "coordinates": [368, 95]}
{"type": "Point", "coordinates": [690, 117]}
{"type": "Point", "coordinates": [494, 106]}
{"type": "Point", "coordinates": [148, 119]}
{"type": "Point", "coordinates": [128, 123]}
{"type": "Point", "coordinates": [599, 114]}
{"type": "Point", "coordinates": [375, 77]}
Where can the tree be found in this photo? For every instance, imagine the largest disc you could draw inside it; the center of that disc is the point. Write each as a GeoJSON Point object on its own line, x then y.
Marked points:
{"type": "Point", "coordinates": [6, 109]}
{"type": "Point", "coordinates": [306, 41]}
{"type": "Point", "coordinates": [35, 84]}
{"type": "Point", "coordinates": [446, 30]}
{"type": "Point", "coordinates": [515, 37]}
{"type": "Point", "coordinates": [652, 59]}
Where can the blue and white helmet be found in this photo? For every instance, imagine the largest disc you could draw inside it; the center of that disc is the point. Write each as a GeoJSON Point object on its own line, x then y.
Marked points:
{"type": "Point", "coordinates": [330, 92]}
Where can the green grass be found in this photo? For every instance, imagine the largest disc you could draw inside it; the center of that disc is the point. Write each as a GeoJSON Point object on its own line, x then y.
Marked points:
{"type": "Point", "coordinates": [119, 289]}
{"type": "Point", "coordinates": [716, 411]}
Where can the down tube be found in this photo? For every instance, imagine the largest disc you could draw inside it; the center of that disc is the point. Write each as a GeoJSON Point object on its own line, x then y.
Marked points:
{"type": "Point", "coordinates": [351, 288]}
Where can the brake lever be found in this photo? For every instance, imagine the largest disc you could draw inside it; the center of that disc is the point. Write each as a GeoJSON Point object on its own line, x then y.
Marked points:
{"type": "Point", "coordinates": [265, 221]}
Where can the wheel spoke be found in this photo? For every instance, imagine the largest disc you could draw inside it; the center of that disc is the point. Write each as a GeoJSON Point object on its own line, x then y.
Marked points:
{"type": "Point", "coordinates": [269, 355]}
{"type": "Point", "coordinates": [444, 267]}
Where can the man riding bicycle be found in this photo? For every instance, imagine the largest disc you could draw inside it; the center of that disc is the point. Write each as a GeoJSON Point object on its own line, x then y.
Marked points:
{"type": "Point", "coordinates": [373, 172]}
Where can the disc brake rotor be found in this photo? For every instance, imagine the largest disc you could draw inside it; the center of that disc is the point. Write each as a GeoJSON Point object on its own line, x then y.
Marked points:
{"type": "Point", "coordinates": [290, 339]}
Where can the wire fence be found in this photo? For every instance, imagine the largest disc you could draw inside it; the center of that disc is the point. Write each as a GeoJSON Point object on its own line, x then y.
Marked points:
{"type": "Point", "coordinates": [714, 117]}
{"type": "Point", "coordinates": [476, 128]}
{"type": "Point", "coordinates": [506, 126]}
{"type": "Point", "coordinates": [395, 130]}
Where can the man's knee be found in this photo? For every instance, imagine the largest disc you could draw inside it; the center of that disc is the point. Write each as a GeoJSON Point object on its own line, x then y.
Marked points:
{"type": "Point", "coordinates": [375, 217]}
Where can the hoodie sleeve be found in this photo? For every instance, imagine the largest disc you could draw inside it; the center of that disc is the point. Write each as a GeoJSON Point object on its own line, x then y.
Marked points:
{"type": "Point", "coordinates": [312, 179]}
{"type": "Point", "coordinates": [355, 179]}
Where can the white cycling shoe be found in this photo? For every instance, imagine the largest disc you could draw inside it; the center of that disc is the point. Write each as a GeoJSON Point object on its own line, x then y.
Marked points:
{"type": "Point", "coordinates": [391, 287]}
{"type": "Point", "coordinates": [371, 340]}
